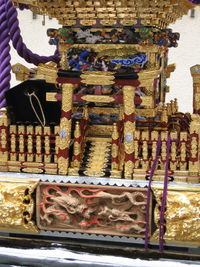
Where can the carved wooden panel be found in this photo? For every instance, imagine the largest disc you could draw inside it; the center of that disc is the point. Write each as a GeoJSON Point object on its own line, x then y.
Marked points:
{"type": "Point", "coordinates": [92, 209]}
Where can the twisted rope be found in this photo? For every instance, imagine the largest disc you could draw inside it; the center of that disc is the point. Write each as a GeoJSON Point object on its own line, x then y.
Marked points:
{"type": "Point", "coordinates": [164, 198]}
{"type": "Point", "coordinates": [149, 191]}
{"type": "Point", "coordinates": [9, 29]}
{"type": "Point", "coordinates": [15, 35]}
{"type": "Point", "coordinates": [5, 67]}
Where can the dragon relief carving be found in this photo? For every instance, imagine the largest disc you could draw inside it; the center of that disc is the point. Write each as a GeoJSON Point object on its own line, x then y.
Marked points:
{"type": "Point", "coordinates": [92, 210]}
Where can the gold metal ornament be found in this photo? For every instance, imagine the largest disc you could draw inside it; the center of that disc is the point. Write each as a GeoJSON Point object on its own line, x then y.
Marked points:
{"type": "Point", "coordinates": [17, 205]}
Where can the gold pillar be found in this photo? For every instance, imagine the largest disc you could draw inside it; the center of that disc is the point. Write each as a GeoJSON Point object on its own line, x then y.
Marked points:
{"type": "Point", "coordinates": [129, 129]}
{"type": "Point", "coordinates": [195, 72]}
{"type": "Point", "coordinates": [65, 129]}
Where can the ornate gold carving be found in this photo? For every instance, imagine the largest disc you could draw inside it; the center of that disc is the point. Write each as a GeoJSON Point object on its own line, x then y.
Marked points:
{"type": "Point", "coordinates": [128, 169]}
{"type": "Point", "coordinates": [63, 165]}
{"type": "Point", "coordinates": [99, 130]}
{"type": "Point", "coordinates": [29, 131]}
{"type": "Point", "coordinates": [98, 98]}
{"type": "Point", "coordinates": [183, 139]}
{"type": "Point", "coordinates": [57, 140]}
{"type": "Point", "coordinates": [147, 101]}
{"type": "Point", "coordinates": [145, 137]}
{"type": "Point", "coordinates": [47, 132]}
{"type": "Point", "coordinates": [21, 132]}
{"type": "Point", "coordinates": [173, 161]}
{"type": "Point", "coordinates": [48, 72]}
{"type": "Point", "coordinates": [3, 135]}
{"type": "Point", "coordinates": [22, 73]}
{"type": "Point", "coordinates": [194, 166]}
{"type": "Point", "coordinates": [64, 139]}
{"type": "Point", "coordinates": [67, 92]}
{"type": "Point", "coordinates": [97, 161]}
{"type": "Point", "coordinates": [51, 97]}
{"type": "Point", "coordinates": [182, 214]}
{"type": "Point", "coordinates": [128, 95]}
{"type": "Point", "coordinates": [96, 78]}
{"type": "Point", "coordinates": [38, 132]}
{"type": "Point", "coordinates": [13, 132]}
{"type": "Point", "coordinates": [77, 145]}
{"type": "Point", "coordinates": [17, 205]}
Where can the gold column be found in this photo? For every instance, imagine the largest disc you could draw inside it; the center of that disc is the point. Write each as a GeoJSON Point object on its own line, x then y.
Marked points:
{"type": "Point", "coordinates": [65, 129]}
{"type": "Point", "coordinates": [195, 72]}
{"type": "Point", "coordinates": [129, 129]}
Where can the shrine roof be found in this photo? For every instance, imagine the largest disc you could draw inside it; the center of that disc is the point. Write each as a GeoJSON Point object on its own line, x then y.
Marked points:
{"type": "Point", "coordinates": [112, 12]}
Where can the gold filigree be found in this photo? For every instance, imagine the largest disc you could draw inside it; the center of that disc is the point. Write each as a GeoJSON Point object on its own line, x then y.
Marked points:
{"type": "Point", "coordinates": [147, 101]}
{"type": "Point", "coordinates": [62, 165]}
{"type": "Point", "coordinates": [128, 95]}
{"type": "Point", "coordinates": [128, 167]}
{"type": "Point", "coordinates": [97, 78]}
{"type": "Point", "coordinates": [17, 205]}
{"type": "Point", "coordinates": [67, 92]}
{"type": "Point", "coordinates": [98, 98]}
{"type": "Point", "coordinates": [182, 214]}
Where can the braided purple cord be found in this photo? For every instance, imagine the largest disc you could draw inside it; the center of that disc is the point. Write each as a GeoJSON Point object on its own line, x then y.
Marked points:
{"type": "Point", "coordinates": [164, 198]}
{"type": "Point", "coordinates": [5, 67]}
{"type": "Point", "coordinates": [15, 35]}
{"type": "Point", "coordinates": [149, 191]}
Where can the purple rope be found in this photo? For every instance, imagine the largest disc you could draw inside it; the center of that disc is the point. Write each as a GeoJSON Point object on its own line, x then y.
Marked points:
{"type": "Point", "coordinates": [149, 191]}
{"type": "Point", "coordinates": [164, 197]}
{"type": "Point", "coordinates": [9, 29]}
{"type": "Point", "coordinates": [5, 67]}
{"type": "Point", "coordinates": [15, 34]}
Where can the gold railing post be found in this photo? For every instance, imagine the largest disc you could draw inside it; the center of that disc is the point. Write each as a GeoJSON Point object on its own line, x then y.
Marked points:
{"type": "Point", "coordinates": [77, 146]}
{"type": "Point", "coordinates": [4, 124]}
{"type": "Point", "coordinates": [194, 158]}
{"type": "Point", "coordinates": [115, 148]}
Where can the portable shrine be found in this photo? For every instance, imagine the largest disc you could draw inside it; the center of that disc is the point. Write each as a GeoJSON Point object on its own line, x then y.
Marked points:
{"type": "Point", "coordinates": [89, 148]}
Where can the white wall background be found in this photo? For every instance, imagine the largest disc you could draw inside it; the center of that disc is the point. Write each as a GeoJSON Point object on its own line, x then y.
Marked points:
{"type": "Point", "coordinates": [186, 55]}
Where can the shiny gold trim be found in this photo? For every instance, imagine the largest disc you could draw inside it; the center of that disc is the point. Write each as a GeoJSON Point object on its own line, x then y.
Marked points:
{"type": "Point", "coordinates": [182, 214]}
{"type": "Point", "coordinates": [98, 99]}
{"type": "Point", "coordinates": [17, 205]}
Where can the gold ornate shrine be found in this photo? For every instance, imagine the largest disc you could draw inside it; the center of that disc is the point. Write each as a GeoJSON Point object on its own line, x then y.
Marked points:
{"type": "Point", "coordinates": [97, 130]}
